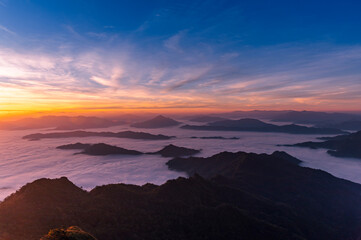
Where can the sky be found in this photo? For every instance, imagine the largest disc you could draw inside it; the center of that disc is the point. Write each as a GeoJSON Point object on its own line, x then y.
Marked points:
{"type": "Point", "coordinates": [88, 56]}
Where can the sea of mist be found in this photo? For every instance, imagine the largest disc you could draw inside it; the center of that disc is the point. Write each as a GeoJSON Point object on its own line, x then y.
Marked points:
{"type": "Point", "coordinates": [23, 161]}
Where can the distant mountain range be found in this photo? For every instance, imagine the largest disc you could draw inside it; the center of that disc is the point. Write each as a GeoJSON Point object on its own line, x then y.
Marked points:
{"type": "Point", "coordinates": [101, 149]}
{"type": "Point", "coordinates": [321, 119]}
{"type": "Point", "coordinates": [344, 121]}
{"type": "Point", "coordinates": [157, 122]}
{"type": "Point", "coordinates": [347, 125]}
{"type": "Point", "coordinates": [286, 115]}
{"type": "Point", "coordinates": [254, 125]}
{"type": "Point", "coordinates": [206, 119]}
{"type": "Point", "coordinates": [124, 134]}
{"type": "Point", "coordinates": [340, 146]}
{"type": "Point", "coordinates": [309, 117]}
{"type": "Point", "coordinates": [259, 114]}
{"type": "Point", "coordinates": [232, 196]}
{"type": "Point", "coordinates": [217, 137]}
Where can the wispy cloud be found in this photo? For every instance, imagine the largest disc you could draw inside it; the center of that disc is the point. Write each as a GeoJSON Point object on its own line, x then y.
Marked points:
{"type": "Point", "coordinates": [187, 77]}
{"type": "Point", "coordinates": [5, 29]}
{"type": "Point", "coordinates": [127, 75]}
{"type": "Point", "coordinates": [173, 43]}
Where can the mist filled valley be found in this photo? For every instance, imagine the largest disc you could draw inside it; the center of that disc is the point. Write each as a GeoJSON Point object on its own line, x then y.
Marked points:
{"type": "Point", "coordinates": [75, 160]}
{"type": "Point", "coordinates": [23, 161]}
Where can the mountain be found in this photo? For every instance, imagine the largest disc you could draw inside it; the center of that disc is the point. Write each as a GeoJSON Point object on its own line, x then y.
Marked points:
{"type": "Point", "coordinates": [245, 122]}
{"type": "Point", "coordinates": [236, 196]}
{"type": "Point", "coordinates": [207, 119]}
{"type": "Point", "coordinates": [124, 134]}
{"type": "Point", "coordinates": [314, 196]}
{"type": "Point", "coordinates": [348, 125]}
{"type": "Point", "coordinates": [101, 149]}
{"type": "Point", "coordinates": [74, 146]}
{"type": "Point", "coordinates": [310, 117]}
{"type": "Point", "coordinates": [157, 122]}
{"type": "Point", "coordinates": [340, 146]}
{"type": "Point", "coordinates": [179, 209]}
{"type": "Point", "coordinates": [71, 233]}
{"type": "Point", "coordinates": [254, 125]}
{"type": "Point", "coordinates": [259, 114]}
{"type": "Point", "coordinates": [175, 151]}
{"type": "Point", "coordinates": [105, 149]}
{"type": "Point", "coordinates": [60, 123]}
{"type": "Point", "coordinates": [217, 137]}
{"type": "Point", "coordinates": [300, 117]}
{"type": "Point", "coordinates": [232, 165]}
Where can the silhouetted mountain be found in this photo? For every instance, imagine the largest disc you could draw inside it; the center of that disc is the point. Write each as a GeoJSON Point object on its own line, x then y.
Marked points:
{"type": "Point", "coordinates": [229, 164]}
{"type": "Point", "coordinates": [259, 114]}
{"type": "Point", "coordinates": [285, 156]}
{"type": "Point", "coordinates": [175, 151]}
{"type": "Point", "coordinates": [124, 134]}
{"type": "Point", "coordinates": [105, 149]}
{"type": "Point", "coordinates": [309, 117]}
{"type": "Point", "coordinates": [218, 137]}
{"type": "Point", "coordinates": [71, 233]}
{"type": "Point", "coordinates": [207, 119]}
{"type": "Point", "coordinates": [245, 122]}
{"type": "Point", "coordinates": [245, 196]}
{"type": "Point", "coordinates": [157, 122]}
{"type": "Point", "coordinates": [340, 146]}
{"type": "Point", "coordinates": [348, 125]}
{"type": "Point", "coordinates": [254, 125]}
{"type": "Point", "coordinates": [310, 194]}
{"type": "Point", "coordinates": [180, 209]}
{"type": "Point", "coordinates": [60, 123]}
{"type": "Point", "coordinates": [74, 146]}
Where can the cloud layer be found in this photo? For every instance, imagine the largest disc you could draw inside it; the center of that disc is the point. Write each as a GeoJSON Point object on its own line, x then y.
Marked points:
{"type": "Point", "coordinates": [282, 77]}
{"type": "Point", "coordinates": [178, 56]}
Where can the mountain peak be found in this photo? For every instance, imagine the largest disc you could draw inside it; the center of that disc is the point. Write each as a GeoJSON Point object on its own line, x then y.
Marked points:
{"type": "Point", "coordinates": [161, 117]}
{"type": "Point", "coordinates": [159, 121]}
{"type": "Point", "coordinates": [175, 151]}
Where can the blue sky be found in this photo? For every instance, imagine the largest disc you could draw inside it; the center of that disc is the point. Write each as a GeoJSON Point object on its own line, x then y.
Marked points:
{"type": "Point", "coordinates": [180, 54]}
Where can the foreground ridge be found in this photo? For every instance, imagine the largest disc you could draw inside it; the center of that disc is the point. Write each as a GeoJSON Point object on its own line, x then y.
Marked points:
{"type": "Point", "coordinates": [71, 233]}
{"type": "Point", "coordinates": [230, 196]}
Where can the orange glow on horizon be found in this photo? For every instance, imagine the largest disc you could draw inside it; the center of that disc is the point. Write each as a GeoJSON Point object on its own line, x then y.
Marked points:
{"type": "Point", "coordinates": [94, 109]}
{"type": "Point", "coordinates": [40, 83]}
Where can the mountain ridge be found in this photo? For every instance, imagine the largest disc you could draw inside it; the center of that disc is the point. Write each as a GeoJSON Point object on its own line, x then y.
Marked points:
{"type": "Point", "coordinates": [339, 146]}
{"type": "Point", "coordinates": [233, 195]}
{"type": "Point", "coordinates": [157, 122]}
{"type": "Point", "coordinates": [102, 149]}
{"type": "Point", "coordinates": [255, 125]}
{"type": "Point", "coordinates": [123, 134]}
